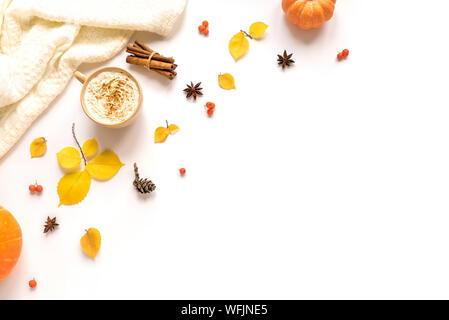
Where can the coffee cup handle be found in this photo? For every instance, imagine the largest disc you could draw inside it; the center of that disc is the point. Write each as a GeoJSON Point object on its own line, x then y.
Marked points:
{"type": "Point", "coordinates": [81, 77]}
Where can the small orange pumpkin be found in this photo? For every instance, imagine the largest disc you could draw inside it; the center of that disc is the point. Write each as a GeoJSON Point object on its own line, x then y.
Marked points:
{"type": "Point", "coordinates": [10, 242]}
{"type": "Point", "coordinates": [308, 14]}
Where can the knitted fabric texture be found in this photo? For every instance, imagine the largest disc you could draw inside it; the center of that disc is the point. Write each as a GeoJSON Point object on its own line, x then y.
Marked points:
{"type": "Point", "coordinates": [43, 42]}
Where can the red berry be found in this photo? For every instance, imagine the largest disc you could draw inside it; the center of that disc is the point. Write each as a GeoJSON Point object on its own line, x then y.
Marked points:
{"type": "Point", "coordinates": [39, 188]}
{"type": "Point", "coordinates": [210, 105]}
{"type": "Point", "coordinates": [32, 188]}
{"type": "Point", "coordinates": [340, 56]}
{"type": "Point", "coordinates": [182, 171]}
{"type": "Point", "coordinates": [345, 53]}
{"type": "Point", "coordinates": [201, 29]}
{"type": "Point", "coordinates": [32, 283]}
{"type": "Point", "coordinates": [206, 32]}
{"type": "Point", "coordinates": [210, 112]}
{"type": "Point", "coordinates": [205, 23]}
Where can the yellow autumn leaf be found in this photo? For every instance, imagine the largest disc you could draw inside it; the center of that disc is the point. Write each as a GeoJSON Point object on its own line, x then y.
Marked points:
{"type": "Point", "coordinates": [73, 187]}
{"type": "Point", "coordinates": [69, 158]}
{"type": "Point", "coordinates": [257, 29]}
{"type": "Point", "coordinates": [161, 134]}
{"type": "Point", "coordinates": [90, 148]}
{"type": "Point", "coordinates": [238, 45]}
{"type": "Point", "coordinates": [104, 166]}
{"type": "Point", "coordinates": [91, 242]}
{"type": "Point", "coordinates": [226, 81]}
{"type": "Point", "coordinates": [173, 128]}
{"type": "Point", "coordinates": [38, 147]}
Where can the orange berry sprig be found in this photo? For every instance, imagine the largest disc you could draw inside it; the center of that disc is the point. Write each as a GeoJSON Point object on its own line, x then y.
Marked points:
{"type": "Point", "coordinates": [35, 188]}
{"type": "Point", "coordinates": [204, 28]}
{"type": "Point", "coordinates": [343, 54]}
{"type": "Point", "coordinates": [210, 108]}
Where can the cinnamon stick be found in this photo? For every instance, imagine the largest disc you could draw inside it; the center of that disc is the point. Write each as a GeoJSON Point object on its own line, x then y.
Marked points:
{"type": "Point", "coordinates": [154, 64]}
{"type": "Point", "coordinates": [132, 49]}
{"type": "Point", "coordinates": [158, 63]}
{"type": "Point", "coordinates": [140, 49]}
{"type": "Point", "coordinates": [145, 54]}
{"type": "Point", "coordinates": [168, 74]}
{"type": "Point", "coordinates": [142, 45]}
{"type": "Point", "coordinates": [138, 54]}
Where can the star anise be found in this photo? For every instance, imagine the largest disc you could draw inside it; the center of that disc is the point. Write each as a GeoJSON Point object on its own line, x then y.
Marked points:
{"type": "Point", "coordinates": [50, 225]}
{"type": "Point", "coordinates": [193, 90]}
{"type": "Point", "coordinates": [285, 59]}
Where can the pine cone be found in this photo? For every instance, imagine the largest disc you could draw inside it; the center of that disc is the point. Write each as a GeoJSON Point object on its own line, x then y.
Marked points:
{"type": "Point", "coordinates": [142, 185]}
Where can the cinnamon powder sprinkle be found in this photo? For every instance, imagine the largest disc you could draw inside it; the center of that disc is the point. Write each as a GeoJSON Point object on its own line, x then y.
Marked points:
{"type": "Point", "coordinates": [111, 97]}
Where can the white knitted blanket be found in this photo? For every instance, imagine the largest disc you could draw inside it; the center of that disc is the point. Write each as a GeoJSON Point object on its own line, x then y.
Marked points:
{"type": "Point", "coordinates": [42, 43]}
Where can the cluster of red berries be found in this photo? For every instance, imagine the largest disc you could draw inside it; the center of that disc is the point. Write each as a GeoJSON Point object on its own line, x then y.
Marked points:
{"type": "Point", "coordinates": [35, 188]}
{"type": "Point", "coordinates": [210, 108]}
{"type": "Point", "coordinates": [343, 54]}
{"type": "Point", "coordinates": [204, 28]}
{"type": "Point", "coordinates": [182, 171]}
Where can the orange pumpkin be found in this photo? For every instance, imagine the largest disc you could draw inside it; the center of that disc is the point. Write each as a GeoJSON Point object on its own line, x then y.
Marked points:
{"type": "Point", "coordinates": [10, 242]}
{"type": "Point", "coordinates": [308, 14]}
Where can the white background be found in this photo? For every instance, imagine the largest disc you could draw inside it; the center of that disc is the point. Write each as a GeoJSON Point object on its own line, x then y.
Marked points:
{"type": "Point", "coordinates": [326, 180]}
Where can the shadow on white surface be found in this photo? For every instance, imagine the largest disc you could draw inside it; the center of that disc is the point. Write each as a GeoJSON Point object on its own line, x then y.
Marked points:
{"type": "Point", "coordinates": [305, 36]}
